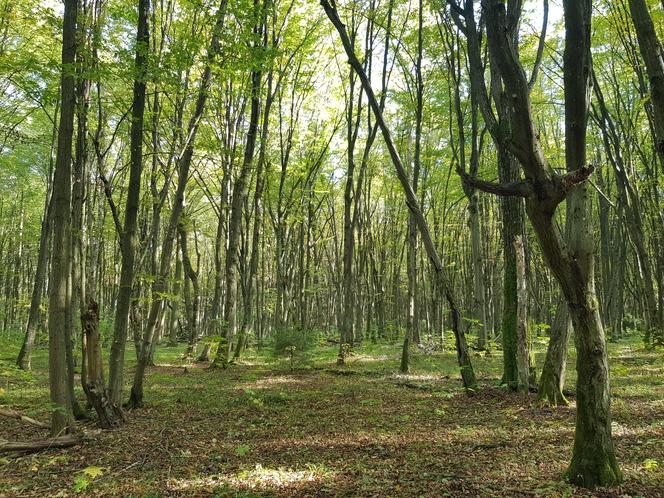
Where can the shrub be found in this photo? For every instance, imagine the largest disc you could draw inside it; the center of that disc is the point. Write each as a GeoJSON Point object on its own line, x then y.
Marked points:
{"type": "Point", "coordinates": [293, 343]}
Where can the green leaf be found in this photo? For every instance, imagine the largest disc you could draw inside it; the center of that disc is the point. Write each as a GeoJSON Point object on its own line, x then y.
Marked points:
{"type": "Point", "coordinates": [94, 472]}
{"type": "Point", "coordinates": [81, 484]}
{"type": "Point", "coordinates": [242, 450]}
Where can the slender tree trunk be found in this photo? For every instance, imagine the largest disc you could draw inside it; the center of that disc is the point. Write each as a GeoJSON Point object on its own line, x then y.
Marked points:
{"type": "Point", "coordinates": [192, 276]}
{"type": "Point", "coordinates": [159, 286]}
{"type": "Point", "coordinates": [412, 325]}
{"type": "Point", "coordinates": [60, 311]}
{"type": "Point", "coordinates": [25, 354]}
{"type": "Point", "coordinates": [522, 356]}
{"type": "Point", "coordinates": [229, 325]}
{"type": "Point", "coordinates": [175, 304]}
{"type": "Point", "coordinates": [653, 56]}
{"type": "Point", "coordinates": [247, 316]}
{"type": "Point", "coordinates": [128, 237]}
{"type": "Point", "coordinates": [467, 373]}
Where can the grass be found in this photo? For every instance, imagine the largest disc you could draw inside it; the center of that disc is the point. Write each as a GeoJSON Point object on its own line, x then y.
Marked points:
{"type": "Point", "coordinates": [262, 429]}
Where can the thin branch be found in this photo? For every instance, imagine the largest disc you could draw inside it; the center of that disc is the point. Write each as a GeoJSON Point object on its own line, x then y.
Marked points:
{"type": "Point", "coordinates": [540, 47]}
{"type": "Point", "coordinates": [114, 209]}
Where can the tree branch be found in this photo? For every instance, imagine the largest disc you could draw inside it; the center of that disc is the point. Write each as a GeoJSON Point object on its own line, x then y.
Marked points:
{"type": "Point", "coordinates": [114, 208]}
{"type": "Point", "coordinates": [540, 47]}
{"type": "Point", "coordinates": [520, 188]}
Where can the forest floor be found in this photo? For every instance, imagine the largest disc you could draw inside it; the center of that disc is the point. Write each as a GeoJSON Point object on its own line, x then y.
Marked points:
{"type": "Point", "coordinates": [262, 429]}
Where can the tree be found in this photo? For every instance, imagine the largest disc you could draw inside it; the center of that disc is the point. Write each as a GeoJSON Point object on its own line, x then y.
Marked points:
{"type": "Point", "coordinates": [59, 289]}
{"type": "Point", "coordinates": [593, 459]}
{"type": "Point", "coordinates": [184, 163]}
{"type": "Point", "coordinates": [467, 373]}
{"type": "Point", "coordinates": [128, 236]}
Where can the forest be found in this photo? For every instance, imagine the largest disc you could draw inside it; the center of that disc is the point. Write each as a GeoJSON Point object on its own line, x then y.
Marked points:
{"type": "Point", "coordinates": [377, 248]}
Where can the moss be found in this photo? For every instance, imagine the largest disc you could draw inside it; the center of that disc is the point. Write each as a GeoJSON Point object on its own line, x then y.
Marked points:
{"type": "Point", "coordinates": [593, 459]}
{"type": "Point", "coordinates": [594, 469]}
{"type": "Point", "coordinates": [549, 391]}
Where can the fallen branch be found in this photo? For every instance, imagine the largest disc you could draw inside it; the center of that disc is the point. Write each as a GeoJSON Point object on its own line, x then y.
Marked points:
{"type": "Point", "coordinates": [39, 444]}
{"type": "Point", "coordinates": [24, 418]}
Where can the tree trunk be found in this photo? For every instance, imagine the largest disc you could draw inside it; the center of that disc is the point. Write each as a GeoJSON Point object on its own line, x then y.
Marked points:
{"type": "Point", "coordinates": [552, 381]}
{"type": "Point", "coordinates": [593, 457]}
{"type": "Point", "coordinates": [192, 276]}
{"type": "Point", "coordinates": [175, 305]}
{"type": "Point", "coordinates": [25, 354]}
{"type": "Point", "coordinates": [60, 311]}
{"type": "Point", "coordinates": [109, 414]}
{"type": "Point", "coordinates": [412, 325]}
{"type": "Point", "coordinates": [229, 325]}
{"type": "Point", "coordinates": [159, 286]}
{"type": "Point", "coordinates": [651, 51]}
{"type": "Point", "coordinates": [467, 373]}
{"type": "Point", "coordinates": [522, 356]}
{"type": "Point", "coordinates": [128, 236]}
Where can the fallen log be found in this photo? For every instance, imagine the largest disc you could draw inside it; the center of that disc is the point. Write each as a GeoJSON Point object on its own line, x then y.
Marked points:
{"type": "Point", "coordinates": [24, 418]}
{"type": "Point", "coordinates": [38, 444]}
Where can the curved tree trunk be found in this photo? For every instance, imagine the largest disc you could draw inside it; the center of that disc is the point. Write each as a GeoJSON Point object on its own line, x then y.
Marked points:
{"type": "Point", "coordinates": [443, 285]}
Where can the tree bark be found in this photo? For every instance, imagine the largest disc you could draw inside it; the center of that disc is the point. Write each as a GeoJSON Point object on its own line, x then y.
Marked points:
{"type": "Point", "coordinates": [128, 236]}
{"type": "Point", "coordinates": [522, 357]}
{"type": "Point", "coordinates": [593, 460]}
{"type": "Point", "coordinates": [651, 51]}
{"type": "Point", "coordinates": [110, 415]}
{"type": "Point", "coordinates": [60, 311]}
{"type": "Point", "coordinates": [240, 188]}
{"type": "Point", "coordinates": [192, 276]}
{"type": "Point", "coordinates": [552, 381]}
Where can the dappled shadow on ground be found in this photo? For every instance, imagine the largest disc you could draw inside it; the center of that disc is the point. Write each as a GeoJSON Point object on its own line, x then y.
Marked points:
{"type": "Point", "coordinates": [251, 431]}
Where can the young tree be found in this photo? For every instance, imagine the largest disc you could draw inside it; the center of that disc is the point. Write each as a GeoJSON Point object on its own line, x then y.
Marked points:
{"type": "Point", "coordinates": [128, 236]}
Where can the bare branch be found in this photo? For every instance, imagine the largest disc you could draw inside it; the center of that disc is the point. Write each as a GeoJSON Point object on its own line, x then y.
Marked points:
{"type": "Point", "coordinates": [520, 188]}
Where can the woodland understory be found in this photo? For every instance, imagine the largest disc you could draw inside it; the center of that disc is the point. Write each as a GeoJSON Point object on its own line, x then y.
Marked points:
{"type": "Point", "coordinates": [264, 429]}
{"type": "Point", "coordinates": [332, 248]}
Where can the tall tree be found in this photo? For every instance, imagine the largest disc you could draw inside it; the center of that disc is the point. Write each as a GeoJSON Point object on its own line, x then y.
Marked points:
{"type": "Point", "coordinates": [593, 459]}
{"type": "Point", "coordinates": [442, 281]}
{"type": "Point", "coordinates": [160, 284]}
{"type": "Point", "coordinates": [653, 56]}
{"type": "Point", "coordinates": [229, 326]}
{"type": "Point", "coordinates": [128, 236]}
{"type": "Point", "coordinates": [59, 289]}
